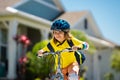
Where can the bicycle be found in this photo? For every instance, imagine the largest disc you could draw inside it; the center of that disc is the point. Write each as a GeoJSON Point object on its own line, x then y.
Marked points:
{"type": "Point", "coordinates": [58, 75]}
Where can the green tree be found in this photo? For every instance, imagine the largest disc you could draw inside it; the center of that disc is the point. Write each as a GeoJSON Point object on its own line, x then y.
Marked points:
{"type": "Point", "coordinates": [109, 76]}
{"type": "Point", "coordinates": [115, 60]}
{"type": "Point", "coordinates": [81, 36]}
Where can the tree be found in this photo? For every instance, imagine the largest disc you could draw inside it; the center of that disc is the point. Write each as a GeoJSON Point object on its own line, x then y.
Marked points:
{"type": "Point", "coordinates": [108, 76]}
{"type": "Point", "coordinates": [81, 36]}
{"type": "Point", "coordinates": [115, 60]}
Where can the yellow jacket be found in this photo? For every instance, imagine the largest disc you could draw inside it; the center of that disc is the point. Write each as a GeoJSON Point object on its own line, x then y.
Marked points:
{"type": "Point", "coordinates": [66, 57]}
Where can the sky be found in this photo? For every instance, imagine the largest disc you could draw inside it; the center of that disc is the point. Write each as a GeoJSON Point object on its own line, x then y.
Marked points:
{"type": "Point", "coordinates": [106, 14]}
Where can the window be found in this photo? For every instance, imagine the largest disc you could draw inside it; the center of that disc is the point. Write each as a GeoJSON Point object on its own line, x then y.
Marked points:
{"type": "Point", "coordinates": [99, 57]}
{"type": "Point", "coordinates": [85, 24]}
{"type": "Point", "coordinates": [3, 45]}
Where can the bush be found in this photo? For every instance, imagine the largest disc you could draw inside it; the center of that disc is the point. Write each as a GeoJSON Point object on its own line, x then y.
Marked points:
{"type": "Point", "coordinates": [39, 67]}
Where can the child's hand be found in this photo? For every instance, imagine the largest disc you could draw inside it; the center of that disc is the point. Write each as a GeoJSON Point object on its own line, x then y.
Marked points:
{"type": "Point", "coordinates": [75, 48]}
{"type": "Point", "coordinates": [40, 53]}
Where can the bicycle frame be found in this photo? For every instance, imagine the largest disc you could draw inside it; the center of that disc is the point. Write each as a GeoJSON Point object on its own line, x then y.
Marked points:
{"type": "Point", "coordinates": [58, 75]}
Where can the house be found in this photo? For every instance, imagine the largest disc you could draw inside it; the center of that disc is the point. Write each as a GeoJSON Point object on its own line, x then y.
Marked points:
{"type": "Point", "coordinates": [98, 64]}
{"type": "Point", "coordinates": [33, 18]}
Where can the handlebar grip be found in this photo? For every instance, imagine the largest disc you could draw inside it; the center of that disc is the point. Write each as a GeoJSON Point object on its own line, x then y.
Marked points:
{"type": "Point", "coordinates": [79, 48]}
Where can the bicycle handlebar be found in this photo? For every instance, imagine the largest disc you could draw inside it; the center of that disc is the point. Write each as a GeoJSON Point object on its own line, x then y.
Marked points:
{"type": "Point", "coordinates": [58, 52]}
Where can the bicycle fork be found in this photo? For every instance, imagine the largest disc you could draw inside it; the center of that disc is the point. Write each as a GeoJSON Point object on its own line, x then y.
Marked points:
{"type": "Point", "coordinates": [58, 75]}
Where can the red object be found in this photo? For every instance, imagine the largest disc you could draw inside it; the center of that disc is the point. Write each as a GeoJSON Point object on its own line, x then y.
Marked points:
{"type": "Point", "coordinates": [27, 42]}
{"type": "Point", "coordinates": [23, 60]}
{"type": "Point", "coordinates": [23, 38]}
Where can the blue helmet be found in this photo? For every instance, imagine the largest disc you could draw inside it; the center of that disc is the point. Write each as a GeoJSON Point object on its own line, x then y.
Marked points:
{"type": "Point", "coordinates": [60, 24]}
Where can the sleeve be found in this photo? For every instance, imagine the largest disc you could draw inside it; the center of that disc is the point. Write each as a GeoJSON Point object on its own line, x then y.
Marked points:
{"type": "Point", "coordinates": [46, 49]}
{"type": "Point", "coordinates": [83, 45]}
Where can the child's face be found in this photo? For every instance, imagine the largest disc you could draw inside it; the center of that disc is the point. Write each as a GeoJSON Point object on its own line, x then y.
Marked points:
{"type": "Point", "coordinates": [59, 35]}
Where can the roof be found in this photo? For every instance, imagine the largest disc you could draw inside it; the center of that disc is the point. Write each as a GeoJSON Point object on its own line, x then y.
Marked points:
{"type": "Point", "coordinates": [39, 8]}
{"type": "Point", "coordinates": [7, 3]}
{"type": "Point", "coordinates": [101, 42]}
{"type": "Point", "coordinates": [72, 17]}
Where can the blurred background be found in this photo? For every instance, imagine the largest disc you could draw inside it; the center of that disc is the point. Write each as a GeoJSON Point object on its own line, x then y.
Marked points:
{"type": "Point", "coordinates": [25, 28]}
